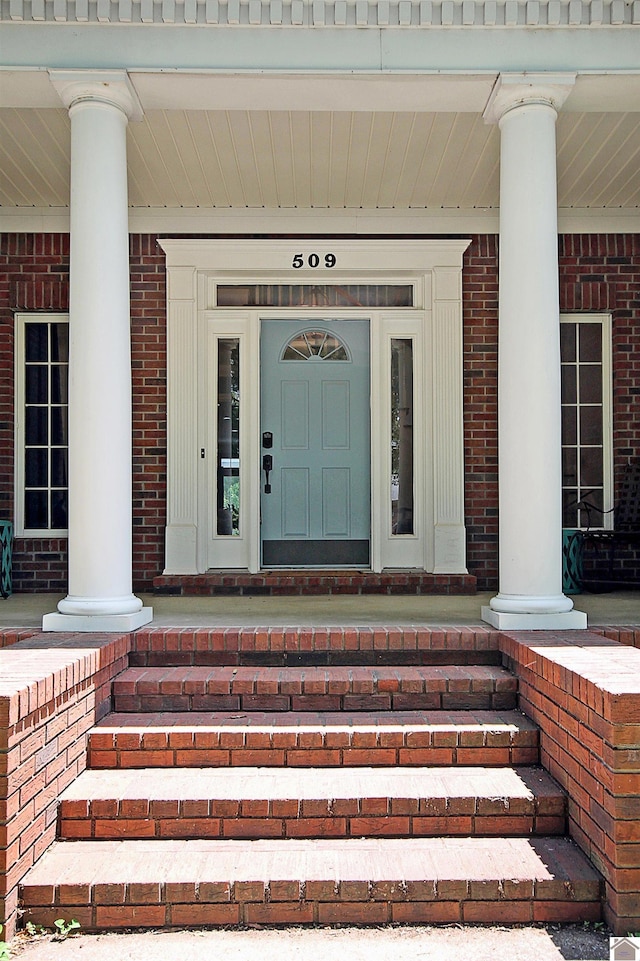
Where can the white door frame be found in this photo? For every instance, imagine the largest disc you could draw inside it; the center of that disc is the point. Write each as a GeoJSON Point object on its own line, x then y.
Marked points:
{"type": "Point", "coordinates": [194, 267]}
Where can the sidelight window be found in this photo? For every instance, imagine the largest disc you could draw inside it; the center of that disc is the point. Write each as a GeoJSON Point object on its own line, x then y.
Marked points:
{"type": "Point", "coordinates": [402, 486]}
{"type": "Point", "coordinates": [228, 437]}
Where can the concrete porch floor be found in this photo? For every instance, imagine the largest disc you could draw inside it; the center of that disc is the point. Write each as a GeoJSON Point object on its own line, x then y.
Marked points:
{"type": "Point", "coordinates": [617, 608]}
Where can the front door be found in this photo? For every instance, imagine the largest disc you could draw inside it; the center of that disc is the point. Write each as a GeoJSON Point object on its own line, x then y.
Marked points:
{"type": "Point", "coordinates": [315, 436]}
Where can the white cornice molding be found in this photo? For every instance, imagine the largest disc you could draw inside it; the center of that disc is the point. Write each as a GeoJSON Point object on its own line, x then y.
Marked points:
{"type": "Point", "coordinates": [329, 13]}
{"type": "Point", "coordinates": [413, 222]}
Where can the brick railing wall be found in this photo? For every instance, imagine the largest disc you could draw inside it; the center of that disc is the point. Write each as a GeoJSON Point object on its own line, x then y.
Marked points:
{"type": "Point", "coordinates": [53, 689]}
{"type": "Point", "coordinates": [581, 689]}
{"type": "Point", "coordinates": [597, 273]}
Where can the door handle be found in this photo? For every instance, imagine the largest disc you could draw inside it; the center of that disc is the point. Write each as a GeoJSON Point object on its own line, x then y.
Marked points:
{"type": "Point", "coordinates": [267, 466]}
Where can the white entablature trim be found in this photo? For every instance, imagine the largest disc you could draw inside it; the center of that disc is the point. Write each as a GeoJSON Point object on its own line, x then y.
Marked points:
{"type": "Point", "coordinates": [329, 13]}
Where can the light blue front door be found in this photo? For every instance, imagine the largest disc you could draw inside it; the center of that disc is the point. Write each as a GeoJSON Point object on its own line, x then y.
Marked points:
{"type": "Point", "coordinates": [315, 443]}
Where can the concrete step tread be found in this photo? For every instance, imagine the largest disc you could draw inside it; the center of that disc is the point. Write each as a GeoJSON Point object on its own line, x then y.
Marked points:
{"type": "Point", "coordinates": [186, 883]}
{"type": "Point", "coordinates": [499, 785]}
{"type": "Point", "coordinates": [84, 865]}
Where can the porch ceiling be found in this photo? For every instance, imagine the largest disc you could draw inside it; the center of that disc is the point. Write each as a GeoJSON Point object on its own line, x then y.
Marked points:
{"type": "Point", "coordinates": [312, 143]}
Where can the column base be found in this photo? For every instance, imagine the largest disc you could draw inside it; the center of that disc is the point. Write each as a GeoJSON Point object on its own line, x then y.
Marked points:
{"type": "Point", "coordinates": [558, 621]}
{"type": "Point", "coordinates": [97, 623]}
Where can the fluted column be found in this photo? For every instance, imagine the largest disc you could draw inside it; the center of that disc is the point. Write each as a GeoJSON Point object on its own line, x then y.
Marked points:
{"type": "Point", "coordinates": [100, 594]}
{"type": "Point", "coordinates": [529, 411]}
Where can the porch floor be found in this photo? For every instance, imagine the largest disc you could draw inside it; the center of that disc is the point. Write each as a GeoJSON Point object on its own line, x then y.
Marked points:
{"type": "Point", "coordinates": [616, 608]}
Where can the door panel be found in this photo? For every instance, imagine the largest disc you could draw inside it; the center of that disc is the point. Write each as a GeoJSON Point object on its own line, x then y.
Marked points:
{"type": "Point", "coordinates": [335, 415]}
{"type": "Point", "coordinates": [295, 501]}
{"type": "Point", "coordinates": [294, 415]}
{"type": "Point", "coordinates": [317, 512]}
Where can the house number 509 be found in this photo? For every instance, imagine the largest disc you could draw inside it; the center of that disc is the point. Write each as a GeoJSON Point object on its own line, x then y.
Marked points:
{"type": "Point", "coordinates": [313, 260]}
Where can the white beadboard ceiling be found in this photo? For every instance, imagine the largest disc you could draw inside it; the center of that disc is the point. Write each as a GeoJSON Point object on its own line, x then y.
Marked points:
{"type": "Point", "coordinates": [342, 159]}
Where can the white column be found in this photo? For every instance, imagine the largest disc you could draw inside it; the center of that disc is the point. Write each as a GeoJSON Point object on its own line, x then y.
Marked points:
{"type": "Point", "coordinates": [100, 507]}
{"type": "Point", "coordinates": [529, 412]}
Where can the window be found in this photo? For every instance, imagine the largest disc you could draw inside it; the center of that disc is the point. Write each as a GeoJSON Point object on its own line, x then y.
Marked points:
{"type": "Point", "coordinates": [315, 295]}
{"type": "Point", "coordinates": [42, 367]}
{"type": "Point", "coordinates": [315, 345]}
{"type": "Point", "coordinates": [228, 458]}
{"type": "Point", "coordinates": [401, 436]}
{"type": "Point", "coordinates": [586, 418]}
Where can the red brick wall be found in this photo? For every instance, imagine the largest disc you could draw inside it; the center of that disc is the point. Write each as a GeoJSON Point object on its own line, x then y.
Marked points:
{"type": "Point", "coordinates": [34, 276]}
{"type": "Point", "coordinates": [602, 273]}
{"type": "Point", "coordinates": [597, 273]}
{"type": "Point", "coordinates": [572, 685]}
{"type": "Point", "coordinates": [149, 381]}
{"type": "Point", "coordinates": [46, 710]}
{"type": "Point", "coordinates": [480, 312]}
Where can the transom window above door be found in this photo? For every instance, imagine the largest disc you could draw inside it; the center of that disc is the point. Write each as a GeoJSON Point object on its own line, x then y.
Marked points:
{"type": "Point", "coordinates": [315, 345]}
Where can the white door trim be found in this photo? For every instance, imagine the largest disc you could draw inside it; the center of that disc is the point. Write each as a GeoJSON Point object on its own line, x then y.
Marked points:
{"type": "Point", "coordinates": [435, 269]}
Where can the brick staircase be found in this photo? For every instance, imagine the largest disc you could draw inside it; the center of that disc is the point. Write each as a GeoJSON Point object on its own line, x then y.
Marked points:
{"type": "Point", "coordinates": [300, 776]}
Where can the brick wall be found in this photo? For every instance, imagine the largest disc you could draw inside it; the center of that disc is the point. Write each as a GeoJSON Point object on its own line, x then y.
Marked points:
{"type": "Point", "coordinates": [149, 382]}
{"type": "Point", "coordinates": [480, 312]}
{"type": "Point", "coordinates": [596, 273]}
{"type": "Point", "coordinates": [34, 276]}
{"type": "Point", "coordinates": [52, 694]}
{"type": "Point", "coordinates": [602, 273]}
{"type": "Point", "coordinates": [581, 690]}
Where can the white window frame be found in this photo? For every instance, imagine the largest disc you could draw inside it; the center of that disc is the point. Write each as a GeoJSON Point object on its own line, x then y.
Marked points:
{"type": "Point", "coordinates": [21, 321]}
{"type": "Point", "coordinates": [604, 320]}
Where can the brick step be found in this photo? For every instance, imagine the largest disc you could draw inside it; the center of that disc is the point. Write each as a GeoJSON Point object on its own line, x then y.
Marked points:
{"type": "Point", "coordinates": [303, 803]}
{"type": "Point", "coordinates": [281, 583]}
{"type": "Point", "coordinates": [159, 647]}
{"type": "Point", "coordinates": [487, 738]}
{"type": "Point", "coordinates": [174, 883]}
{"type": "Point", "coordinates": [380, 688]}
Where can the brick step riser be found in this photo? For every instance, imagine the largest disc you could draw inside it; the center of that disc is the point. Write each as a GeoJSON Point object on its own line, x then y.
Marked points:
{"type": "Point", "coordinates": [312, 757]}
{"type": "Point", "coordinates": [337, 658]}
{"type": "Point", "coordinates": [282, 904]}
{"type": "Point", "coordinates": [316, 582]}
{"type": "Point", "coordinates": [222, 823]}
{"type": "Point", "coordinates": [368, 641]}
{"type": "Point", "coordinates": [278, 703]}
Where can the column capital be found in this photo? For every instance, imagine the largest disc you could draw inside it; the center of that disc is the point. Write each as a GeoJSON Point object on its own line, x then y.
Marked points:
{"type": "Point", "coordinates": [112, 87]}
{"type": "Point", "coordinates": [520, 89]}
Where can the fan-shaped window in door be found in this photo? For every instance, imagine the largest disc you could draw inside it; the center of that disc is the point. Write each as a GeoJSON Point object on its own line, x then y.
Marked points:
{"type": "Point", "coordinates": [315, 345]}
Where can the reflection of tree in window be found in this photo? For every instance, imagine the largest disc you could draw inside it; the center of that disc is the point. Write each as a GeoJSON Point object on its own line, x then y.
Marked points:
{"type": "Point", "coordinates": [228, 454]}
{"type": "Point", "coordinates": [401, 436]}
